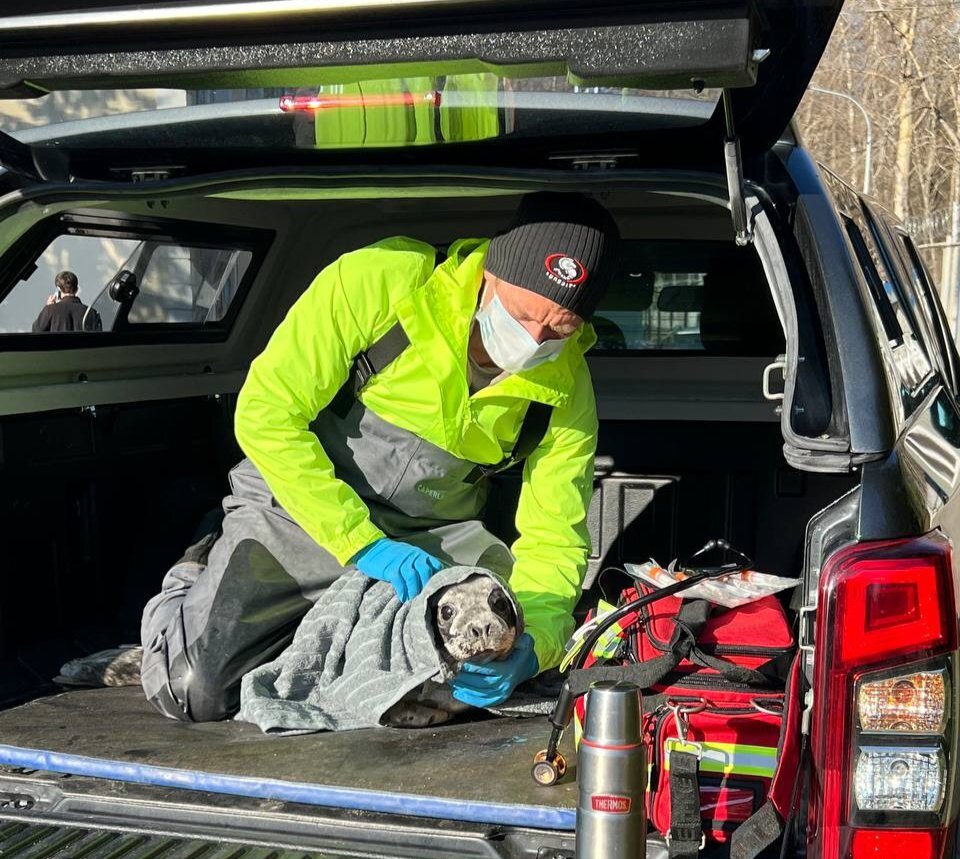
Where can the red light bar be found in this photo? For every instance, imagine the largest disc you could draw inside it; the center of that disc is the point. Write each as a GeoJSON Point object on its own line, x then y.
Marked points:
{"type": "Point", "coordinates": [871, 844]}
{"type": "Point", "coordinates": [291, 103]}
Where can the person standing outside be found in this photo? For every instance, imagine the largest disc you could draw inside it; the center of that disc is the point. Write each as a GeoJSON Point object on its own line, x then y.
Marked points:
{"type": "Point", "coordinates": [64, 311]}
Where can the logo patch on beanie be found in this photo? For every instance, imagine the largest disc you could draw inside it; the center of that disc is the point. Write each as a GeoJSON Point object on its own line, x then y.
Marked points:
{"type": "Point", "coordinates": [565, 270]}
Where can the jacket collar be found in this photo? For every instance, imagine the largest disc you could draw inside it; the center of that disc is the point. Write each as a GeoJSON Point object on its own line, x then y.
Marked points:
{"type": "Point", "coordinates": [441, 312]}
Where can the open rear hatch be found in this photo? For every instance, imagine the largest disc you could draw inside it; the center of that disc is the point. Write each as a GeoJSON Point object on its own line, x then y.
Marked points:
{"type": "Point", "coordinates": [762, 52]}
{"type": "Point", "coordinates": [759, 55]}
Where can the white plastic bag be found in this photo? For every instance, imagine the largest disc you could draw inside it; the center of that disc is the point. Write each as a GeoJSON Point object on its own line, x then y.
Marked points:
{"type": "Point", "coordinates": [730, 591]}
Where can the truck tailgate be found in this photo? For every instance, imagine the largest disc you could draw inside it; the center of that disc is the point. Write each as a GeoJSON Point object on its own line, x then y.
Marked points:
{"type": "Point", "coordinates": [475, 772]}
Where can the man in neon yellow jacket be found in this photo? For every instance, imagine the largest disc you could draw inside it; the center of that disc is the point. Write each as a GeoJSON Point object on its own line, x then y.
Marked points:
{"type": "Point", "coordinates": [395, 387]}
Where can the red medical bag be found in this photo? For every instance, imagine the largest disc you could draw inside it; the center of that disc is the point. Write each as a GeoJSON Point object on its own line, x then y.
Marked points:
{"type": "Point", "coordinates": [721, 717]}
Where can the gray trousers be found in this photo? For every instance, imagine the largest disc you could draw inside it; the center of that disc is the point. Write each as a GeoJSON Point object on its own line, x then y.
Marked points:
{"type": "Point", "coordinates": [234, 601]}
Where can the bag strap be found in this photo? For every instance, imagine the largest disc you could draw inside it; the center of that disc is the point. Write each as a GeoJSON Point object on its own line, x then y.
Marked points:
{"type": "Point", "coordinates": [775, 816]}
{"type": "Point", "coordinates": [689, 623]}
{"type": "Point", "coordinates": [685, 838]}
{"type": "Point", "coordinates": [642, 674]}
{"type": "Point", "coordinates": [730, 671]}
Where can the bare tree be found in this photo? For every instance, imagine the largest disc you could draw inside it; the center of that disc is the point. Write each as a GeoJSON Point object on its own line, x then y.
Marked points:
{"type": "Point", "coordinates": [901, 60]}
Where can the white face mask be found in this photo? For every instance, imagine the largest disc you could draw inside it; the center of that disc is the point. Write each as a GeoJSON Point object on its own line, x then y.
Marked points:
{"type": "Point", "coordinates": [510, 346]}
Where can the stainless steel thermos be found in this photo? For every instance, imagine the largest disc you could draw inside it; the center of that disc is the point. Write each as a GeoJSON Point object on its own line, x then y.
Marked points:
{"type": "Point", "coordinates": [612, 775]}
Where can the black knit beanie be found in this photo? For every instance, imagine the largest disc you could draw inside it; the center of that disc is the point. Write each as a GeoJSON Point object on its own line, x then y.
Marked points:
{"type": "Point", "coordinates": [561, 246]}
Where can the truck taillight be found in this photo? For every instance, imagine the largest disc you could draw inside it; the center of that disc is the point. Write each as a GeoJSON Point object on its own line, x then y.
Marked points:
{"type": "Point", "coordinates": [884, 732]}
{"type": "Point", "coordinates": [904, 703]}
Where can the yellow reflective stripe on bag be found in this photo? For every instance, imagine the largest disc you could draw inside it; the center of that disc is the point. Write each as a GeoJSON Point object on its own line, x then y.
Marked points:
{"type": "Point", "coordinates": [609, 643]}
{"type": "Point", "coordinates": [727, 758]}
{"type": "Point", "coordinates": [580, 635]}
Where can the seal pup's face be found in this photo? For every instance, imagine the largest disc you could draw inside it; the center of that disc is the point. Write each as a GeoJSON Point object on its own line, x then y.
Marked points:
{"type": "Point", "coordinates": [475, 621]}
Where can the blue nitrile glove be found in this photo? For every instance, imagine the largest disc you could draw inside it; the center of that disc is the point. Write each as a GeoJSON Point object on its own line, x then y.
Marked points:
{"type": "Point", "coordinates": [405, 567]}
{"type": "Point", "coordinates": [491, 684]}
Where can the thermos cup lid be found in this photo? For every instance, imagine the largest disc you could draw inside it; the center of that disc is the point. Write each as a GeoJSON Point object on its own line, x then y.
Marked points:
{"type": "Point", "coordinates": [613, 714]}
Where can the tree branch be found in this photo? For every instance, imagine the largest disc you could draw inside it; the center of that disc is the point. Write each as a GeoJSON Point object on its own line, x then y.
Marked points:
{"type": "Point", "coordinates": [921, 79]}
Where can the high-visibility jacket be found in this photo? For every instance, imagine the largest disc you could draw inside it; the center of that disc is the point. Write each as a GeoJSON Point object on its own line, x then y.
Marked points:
{"type": "Point", "coordinates": [348, 307]}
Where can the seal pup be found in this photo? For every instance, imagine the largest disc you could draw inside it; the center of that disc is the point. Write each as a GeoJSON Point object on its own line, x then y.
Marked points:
{"type": "Point", "coordinates": [474, 621]}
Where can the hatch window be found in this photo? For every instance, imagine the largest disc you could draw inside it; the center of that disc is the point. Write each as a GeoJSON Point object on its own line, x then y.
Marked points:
{"type": "Point", "coordinates": [382, 113]}
{"type": "Point", "coordinates": [696, 296]}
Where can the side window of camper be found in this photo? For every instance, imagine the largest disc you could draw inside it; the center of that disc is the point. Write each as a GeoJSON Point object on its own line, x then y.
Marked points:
{"type": "Point", "coordinates": [83, 279]}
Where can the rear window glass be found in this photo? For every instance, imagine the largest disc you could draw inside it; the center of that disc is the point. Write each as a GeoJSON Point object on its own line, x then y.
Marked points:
{"type": "Point", "coordinates": [86, 282]}
{"type": "Point", "coordinates": [402, 111]}
{"type": "Point", "coordinates": [93, 260]}
{"type": "Point", "coordinates": [700, 296]}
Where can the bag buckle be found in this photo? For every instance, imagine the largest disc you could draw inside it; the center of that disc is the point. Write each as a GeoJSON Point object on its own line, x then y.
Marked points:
{"type": "Point", "coordinates": [681, 720]}
{"type": "Point", "coordinates": [688, 747]}
{"type": "Point", "coordinates": [680, 713]}
{"type": "Point", "coordinates": [668, 837]}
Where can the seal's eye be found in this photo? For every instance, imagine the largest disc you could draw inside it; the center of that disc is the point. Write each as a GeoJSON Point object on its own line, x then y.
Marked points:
{"type": "Point", "coordinates": [447, 612]}
{"type": "Point", "coordinates": [500, 604]}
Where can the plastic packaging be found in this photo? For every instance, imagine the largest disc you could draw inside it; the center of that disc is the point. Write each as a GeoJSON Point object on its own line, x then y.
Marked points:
{"type": "Point", "coordinates": [729, 591]}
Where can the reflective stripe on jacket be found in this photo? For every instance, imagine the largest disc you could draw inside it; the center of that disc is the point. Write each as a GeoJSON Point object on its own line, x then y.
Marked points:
{"type": "Point", "coordinates": [348, 307]}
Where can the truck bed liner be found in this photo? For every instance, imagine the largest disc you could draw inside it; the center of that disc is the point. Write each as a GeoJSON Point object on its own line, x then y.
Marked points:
{"type": "Point", "coordinates": [477, 771]}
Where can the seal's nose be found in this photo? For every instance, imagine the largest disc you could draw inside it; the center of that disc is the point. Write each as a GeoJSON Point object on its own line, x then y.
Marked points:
{"type": "Point", "coordinates": [478, 632]}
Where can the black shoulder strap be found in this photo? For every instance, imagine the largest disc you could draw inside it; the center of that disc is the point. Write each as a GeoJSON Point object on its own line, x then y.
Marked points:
{"type": "Point", "coordinates": [375, 358]}
{"type": "Point", "coordinates": [534, 427]}
{"type": "Point", "coordinates": [367, 364]}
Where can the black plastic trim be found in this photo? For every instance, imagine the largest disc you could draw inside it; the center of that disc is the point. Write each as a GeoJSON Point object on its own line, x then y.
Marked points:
{"type": "Point", "coordinates": [856, 367]}
{"type": "Point", "coordinates": [655, 53]}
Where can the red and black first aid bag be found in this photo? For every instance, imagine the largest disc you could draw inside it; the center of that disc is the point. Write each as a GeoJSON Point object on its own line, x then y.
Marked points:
{"type": "Point", "coordinates": [721, 717]}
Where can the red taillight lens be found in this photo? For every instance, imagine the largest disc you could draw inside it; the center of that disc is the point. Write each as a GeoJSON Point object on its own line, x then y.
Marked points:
{"type": "Point", "coordinates": [884, 843]}
{"type": "Point", "coordinates": [891, 606]}
{"type": "Point", "coordinates": [886, 621]}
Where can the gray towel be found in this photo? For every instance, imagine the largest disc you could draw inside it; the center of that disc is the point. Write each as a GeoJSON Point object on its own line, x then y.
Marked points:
{"type": "Point", "coordinates": [356, 653]}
